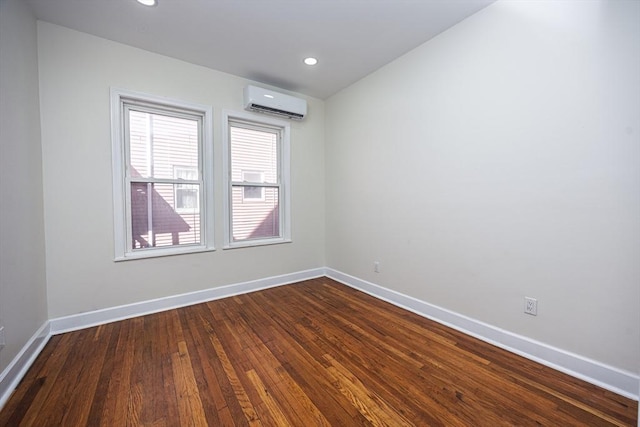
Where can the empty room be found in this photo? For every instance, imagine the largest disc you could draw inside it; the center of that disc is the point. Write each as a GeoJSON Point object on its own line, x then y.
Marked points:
{"type": "Point", "coordinates": [319, 212]}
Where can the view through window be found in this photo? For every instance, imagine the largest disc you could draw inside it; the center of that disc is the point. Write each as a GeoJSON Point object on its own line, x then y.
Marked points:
{"type": "Point", "coordinates": [163, 170]}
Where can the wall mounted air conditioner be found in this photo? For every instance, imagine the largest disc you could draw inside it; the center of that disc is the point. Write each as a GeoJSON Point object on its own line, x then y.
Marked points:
{"type": "Point", "coordinates": [269, 102]}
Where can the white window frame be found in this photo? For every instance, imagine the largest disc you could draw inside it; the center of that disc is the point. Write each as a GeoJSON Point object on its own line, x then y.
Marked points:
{"type": "Point", "coordinates": [284, 201]}
{"type": "Point", "coordinates": [122, 178]}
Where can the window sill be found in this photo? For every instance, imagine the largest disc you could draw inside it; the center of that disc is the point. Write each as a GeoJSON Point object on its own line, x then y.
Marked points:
{"type": "Point", "coordinates": [251, 243]}
{"type": "Point", "coordinates": [162, 252]}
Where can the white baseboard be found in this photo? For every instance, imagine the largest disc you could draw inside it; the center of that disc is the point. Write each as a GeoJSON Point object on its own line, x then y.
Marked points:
{"type": "Point", "coordinates": [622, 382]}
{"type": "Point", "coordinates": [113, 314]}
{"type": "Point", "coordinates": [11, 376]}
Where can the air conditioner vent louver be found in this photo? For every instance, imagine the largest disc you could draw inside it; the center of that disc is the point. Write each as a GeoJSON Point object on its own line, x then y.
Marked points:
{"type": "Point", "coordinates": [278, 104]}
{"type": "Point", "coordinates": [269, 110]}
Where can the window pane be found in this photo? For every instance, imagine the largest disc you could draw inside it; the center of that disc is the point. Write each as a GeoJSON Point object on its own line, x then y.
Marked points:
{"type": "Point", "coordinates": [254, 150]}
{"type": "Point", "coordinates": [255, 219]}
{"type": "Point", "coordinates": [139, 144]}
{"type": "Point", "coordinates": [253, 193]}
{"type": "Point", "coordinates": [182, 172]}
{"type": "Point", "coordinates": [158, 143]}
{"type": "Point", "coordinates": [248, 176]}
{"type": "Point", "coordinates": [155, 221]}
{"type": "Point", "coordinates": [186, 197]}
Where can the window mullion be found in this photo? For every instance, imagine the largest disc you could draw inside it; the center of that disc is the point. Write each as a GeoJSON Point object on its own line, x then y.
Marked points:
{"type": "Point", "coordinates": [150, 146]}
{"type": "Point", "coordinates": [165, 180]}
{"type": "Point", "coordinates": [150, 233]}
{"type": "Point", "coordinates": [254, 184]}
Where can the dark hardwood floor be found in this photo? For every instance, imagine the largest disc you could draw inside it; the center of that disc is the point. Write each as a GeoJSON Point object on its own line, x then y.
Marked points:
{"type": "Point", "coordinates": [308, 354]}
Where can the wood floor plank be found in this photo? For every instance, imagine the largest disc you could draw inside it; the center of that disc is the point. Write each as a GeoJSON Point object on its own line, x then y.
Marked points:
{"type": "Point", "coordinates": [116, 406]}
{"type": "Point", "coordinates": [239, 392]}
{"type": "Point", "coordinates": [111, 337]}
{"type": "Point", "coordinates": [315, 353]}
{"type": "Point", "coordinates": [200, 349]}
{"type": "Point", "coordinates": [190, 408]}
{"type": "Point", "coordinates": [226, 401]}
{"type": "Point", "coordinates": [282, 388]}
{"type": "Point", "coordinates": [374, 408]}
{"type": "Point", "coordinates": [270, 403]}
{"type": "Point", "coordinates": [87, 382]}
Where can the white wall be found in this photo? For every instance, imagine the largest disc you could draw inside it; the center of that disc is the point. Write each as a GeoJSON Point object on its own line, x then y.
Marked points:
{"type": "Point", "coordinates": [76, 72]}
{"type": "Point", "coordinates": [22, 256]}
{"type": "Point", "coordinates": [497, 161]}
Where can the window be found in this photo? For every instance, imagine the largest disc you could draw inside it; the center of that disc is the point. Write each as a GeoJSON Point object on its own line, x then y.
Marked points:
{"type": "Point", "coordinates": [162, 166]}
{"type": "Point", "coordinates": [257, 180]}
{"type": "Point", "coordinates": [253, 193]}
{"type": "Point", "coordinates": [187, 196]}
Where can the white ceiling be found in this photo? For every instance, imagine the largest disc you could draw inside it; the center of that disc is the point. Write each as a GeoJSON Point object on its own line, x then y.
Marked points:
{"type": "Point", "coordinates": [266, 40]}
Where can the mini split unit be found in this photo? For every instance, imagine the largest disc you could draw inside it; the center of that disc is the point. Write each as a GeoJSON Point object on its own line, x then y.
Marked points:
{"type": "Point", "coordinates": [278, 104]}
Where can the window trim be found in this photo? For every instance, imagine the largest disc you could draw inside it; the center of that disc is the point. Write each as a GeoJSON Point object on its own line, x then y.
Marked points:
{"type": "Point", "coordinates": [121, 198]}
{"type": "Point", "coordinates": [284, 186]}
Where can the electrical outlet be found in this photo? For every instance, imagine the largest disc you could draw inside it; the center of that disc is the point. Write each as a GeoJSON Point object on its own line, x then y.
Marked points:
{"type": "Point", "coordinates": [2, 341]}
{"type": "Point", "coordinates": [376, 267]}
{"type": "Point", "coordinates": [531, 306]}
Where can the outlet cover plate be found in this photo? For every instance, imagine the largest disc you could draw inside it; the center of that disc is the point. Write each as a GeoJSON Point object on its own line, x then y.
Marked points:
{"type": "Point", "coordinates": [531, 306]}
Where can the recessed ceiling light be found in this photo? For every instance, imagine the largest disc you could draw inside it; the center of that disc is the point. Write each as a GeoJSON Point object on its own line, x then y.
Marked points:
{"type": "Point", "coordinates": [148, 2]}
{"type": "Point", "coordinates": [310, 61]}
